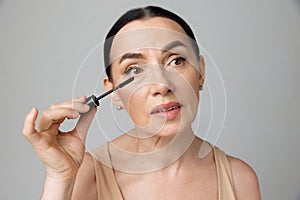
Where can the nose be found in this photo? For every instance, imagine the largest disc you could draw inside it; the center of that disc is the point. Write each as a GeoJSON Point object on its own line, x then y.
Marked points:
{"type": "Point", "coordinates": [161, 83]}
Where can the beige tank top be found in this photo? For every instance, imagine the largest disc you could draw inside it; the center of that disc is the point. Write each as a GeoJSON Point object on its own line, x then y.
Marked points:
{"type": "Point", "coordinates": [108, 189]}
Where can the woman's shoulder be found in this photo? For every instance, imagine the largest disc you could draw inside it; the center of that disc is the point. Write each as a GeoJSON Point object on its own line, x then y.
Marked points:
{"type": "Point", "coordinates": [244, 178]}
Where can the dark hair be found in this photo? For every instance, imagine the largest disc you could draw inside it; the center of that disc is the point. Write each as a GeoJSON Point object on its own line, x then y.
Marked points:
{"type": "Point", "coordinates": [141, 13]}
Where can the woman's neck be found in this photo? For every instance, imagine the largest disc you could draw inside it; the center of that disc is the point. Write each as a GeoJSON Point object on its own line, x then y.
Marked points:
{"type": "Point", "coordinates": [140, 155]}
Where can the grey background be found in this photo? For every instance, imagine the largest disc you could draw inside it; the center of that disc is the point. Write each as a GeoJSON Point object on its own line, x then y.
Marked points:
{"type": "Point", "coordinates": [255, 44]}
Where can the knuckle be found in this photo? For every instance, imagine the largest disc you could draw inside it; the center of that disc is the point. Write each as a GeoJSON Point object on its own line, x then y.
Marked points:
{"type": "Point", "coordinates": [46, 113]}
{"type": "Point", "coordinates": [25, 133]}
{"type": "Point", "coordinates": [24, 130]}
{"type": "Point", "coordinates": [53, 106]}
{"type": "Point", "coordinates": [73, 105]}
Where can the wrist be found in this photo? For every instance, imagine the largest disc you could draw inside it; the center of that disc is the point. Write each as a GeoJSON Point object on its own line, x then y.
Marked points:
{"type": "Point", "coordinates": [58, 188]}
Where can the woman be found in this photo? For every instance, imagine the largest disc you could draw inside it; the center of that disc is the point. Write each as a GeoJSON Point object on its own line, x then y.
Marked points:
{"type": "Point", "coordinates": [158, 159]}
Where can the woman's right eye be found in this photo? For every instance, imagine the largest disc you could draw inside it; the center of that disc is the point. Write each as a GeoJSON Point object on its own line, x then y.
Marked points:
{"type": "Point", "coordinates": [134, 70]}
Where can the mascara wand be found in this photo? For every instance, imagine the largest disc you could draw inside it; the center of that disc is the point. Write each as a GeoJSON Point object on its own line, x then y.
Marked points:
{"type": "Point", "coordinates": [93, 101]}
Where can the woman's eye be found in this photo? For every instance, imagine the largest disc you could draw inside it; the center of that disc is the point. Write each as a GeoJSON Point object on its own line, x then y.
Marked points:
{"type": "Point", "coordinates": [177, 61]}
{"type": "Point", "coordinates": [133, 70]}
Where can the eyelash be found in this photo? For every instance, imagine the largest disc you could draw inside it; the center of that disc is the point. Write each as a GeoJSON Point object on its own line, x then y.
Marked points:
{"type": "Point", "coordinates": [182, 60]}
{"type": "Point", "coordinates": [136, 66]}
{"type": "Point", "coordinates": [131, 67]}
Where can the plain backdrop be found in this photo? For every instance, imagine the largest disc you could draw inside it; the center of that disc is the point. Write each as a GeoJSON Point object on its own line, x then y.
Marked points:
{"type": "Point", "coordinates": [255, 44]}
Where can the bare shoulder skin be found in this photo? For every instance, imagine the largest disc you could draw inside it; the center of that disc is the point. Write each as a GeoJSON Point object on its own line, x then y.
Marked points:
{"type": "Point", "coordinates": [85, 184]}
{"type": "Point", "coordinates": [245, 180]}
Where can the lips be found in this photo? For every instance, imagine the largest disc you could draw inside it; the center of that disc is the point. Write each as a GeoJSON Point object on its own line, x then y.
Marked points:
{"type": "Point", "coordinates": [167, 111]}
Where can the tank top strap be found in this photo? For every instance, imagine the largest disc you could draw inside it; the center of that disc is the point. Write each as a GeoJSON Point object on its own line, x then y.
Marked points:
{"type": "Point", "coordinates": [224, 175]}
{"type": "Point", "coordinates": [107, 186]}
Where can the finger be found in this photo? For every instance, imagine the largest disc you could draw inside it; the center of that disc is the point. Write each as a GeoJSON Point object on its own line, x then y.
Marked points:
{"type": "Point", "coordinates": [80, 99]}
{"type": "Point", "coordinates": [77, 104]}
{"type": "Point", "coordinates": [28, 129]}
{"type": "Point", "coordinates": [55, 116]}
{"type": "Point", "coordinates": [84, 123]}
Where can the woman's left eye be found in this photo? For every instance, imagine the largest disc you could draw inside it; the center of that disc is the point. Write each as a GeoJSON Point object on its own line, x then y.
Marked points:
{"type": "Point", "coordinates": [177, 61]}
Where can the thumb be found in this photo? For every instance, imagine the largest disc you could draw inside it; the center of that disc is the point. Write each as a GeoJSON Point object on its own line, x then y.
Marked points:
{"type": "Point", "coordinates": [84, 123]}
{"type": "Point", "coordinates": [28, 129]}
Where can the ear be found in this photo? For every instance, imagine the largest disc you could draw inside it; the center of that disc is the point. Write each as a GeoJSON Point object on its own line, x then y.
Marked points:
{"type": "Point", "coordinates": [202, 71]}
{"type": "Point", "coordinates": [114, 96]}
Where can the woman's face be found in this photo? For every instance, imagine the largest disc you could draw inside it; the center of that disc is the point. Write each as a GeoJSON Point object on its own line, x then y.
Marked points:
{"type": "Point", "coordinates": [164, 96]}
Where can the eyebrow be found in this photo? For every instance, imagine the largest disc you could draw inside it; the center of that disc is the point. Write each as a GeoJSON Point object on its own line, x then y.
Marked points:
{"type": "Point", "coordinates": [168, 47]}
{"type": "Point", "coordinates": [172, 45]}
{"type": "Point", "coordinates": [131, 56]}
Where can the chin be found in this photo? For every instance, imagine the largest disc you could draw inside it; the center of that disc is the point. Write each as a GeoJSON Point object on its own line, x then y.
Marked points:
{"type": "Point", "coordinates": [170, 130]}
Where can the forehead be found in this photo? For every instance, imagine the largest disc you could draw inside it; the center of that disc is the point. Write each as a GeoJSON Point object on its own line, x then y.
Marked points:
{"type": "Point", "coordinates": [154, 33]}
{"type": "Point", "coordinates": [154, 22]}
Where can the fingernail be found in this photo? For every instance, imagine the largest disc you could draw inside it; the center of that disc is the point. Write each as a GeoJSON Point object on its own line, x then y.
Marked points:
{"type": "Point", "coordinates": [87, 107]}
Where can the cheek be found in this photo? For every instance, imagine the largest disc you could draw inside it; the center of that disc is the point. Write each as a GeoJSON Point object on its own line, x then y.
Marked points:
{"type": "Point", "coordinates": [195, 85]}
{"type": "Point", "coordinates": [191, 77]}
{"type": "Point", "coordinates": [137, 107]}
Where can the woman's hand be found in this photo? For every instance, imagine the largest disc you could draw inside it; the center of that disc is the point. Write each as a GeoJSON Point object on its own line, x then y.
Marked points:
{"type": "Point", "coordinates": [61, 152]}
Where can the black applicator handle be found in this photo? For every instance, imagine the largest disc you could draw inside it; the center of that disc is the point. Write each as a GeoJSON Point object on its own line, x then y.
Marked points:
{"type": "Point", "coordinates": [93, 101]}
